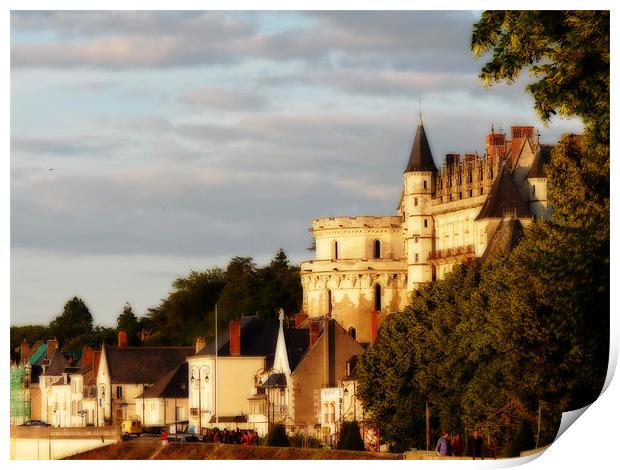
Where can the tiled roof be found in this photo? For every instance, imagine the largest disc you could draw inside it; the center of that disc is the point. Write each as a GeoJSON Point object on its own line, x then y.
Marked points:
{"type": "Point", "coordinates": [505, 238]}
{"type": "Point", "coordinates": [58, 364]}
{"type": "Point", "coordinates": [174, 384]}
{"type": "Point", "coordinates": [504, 198]}
{"type": "Point", "coordinates": [421, 158]}
{"type": "Point", "coordinates": [144, 364]}
{"type": "Point", "coordinates": [537, 170]}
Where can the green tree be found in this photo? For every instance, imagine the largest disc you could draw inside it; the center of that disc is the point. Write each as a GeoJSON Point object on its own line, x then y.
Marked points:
{"type": "Point", "coordinates": [350, 436]}
{"type": "Point", "coordinates": [240, 293]}
{"type": "Point", "coordinates": [568, 51]}
{"type": "Point", "coordinates": [279, 287]}
{"type": "Point", "coordinates": [75, 322]}
{"type": "Point", "coordinates": [277, 436]}
{"type": "Point", "coordinates": [128, 322]}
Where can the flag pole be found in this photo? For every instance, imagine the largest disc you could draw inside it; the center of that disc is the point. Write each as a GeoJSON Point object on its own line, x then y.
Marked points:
{"type": "Point", "coordinates": [216, 403]}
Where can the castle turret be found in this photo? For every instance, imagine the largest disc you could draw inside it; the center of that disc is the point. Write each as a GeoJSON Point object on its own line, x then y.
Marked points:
{"type": "Point", "coordinates": [418, 227]}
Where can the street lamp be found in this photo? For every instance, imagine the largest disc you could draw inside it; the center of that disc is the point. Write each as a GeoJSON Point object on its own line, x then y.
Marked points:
{"type": "Point", "coordinates": [101, 404]}
{"type": "Point", "coordinates": [198, 380]}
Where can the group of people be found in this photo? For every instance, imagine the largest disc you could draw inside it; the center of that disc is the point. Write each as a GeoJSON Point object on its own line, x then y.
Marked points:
{"type": "Point", "coordinates": [244, 438]}
{"type": "Point", "coordinates": [456, 447]}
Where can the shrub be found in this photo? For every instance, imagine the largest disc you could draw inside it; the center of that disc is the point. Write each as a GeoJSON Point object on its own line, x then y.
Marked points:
{"type": "Point", "coordinates": [350, 437]}
{"type": "Point", "coordinates": [523, 440]}
{"type": "Point", "coordinates": [277, 436]}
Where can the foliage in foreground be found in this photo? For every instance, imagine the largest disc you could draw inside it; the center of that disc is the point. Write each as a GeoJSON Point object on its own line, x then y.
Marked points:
{"type": "Point", "coordinates": [528, 329]}
{"type": "Point", "coordinates": [277, 436]}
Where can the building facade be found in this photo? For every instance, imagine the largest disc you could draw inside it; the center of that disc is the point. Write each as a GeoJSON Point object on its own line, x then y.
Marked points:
{"type": "Point", "coordinates": [370, 265]}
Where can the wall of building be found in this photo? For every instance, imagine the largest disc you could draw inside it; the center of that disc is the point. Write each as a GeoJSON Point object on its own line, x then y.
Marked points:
{"type": "Point", "coordinates": [235, 382]}
{"type": "Point", "coordinates": [161, 411]}
{"type": "Point", "coordinates": [308, 377]}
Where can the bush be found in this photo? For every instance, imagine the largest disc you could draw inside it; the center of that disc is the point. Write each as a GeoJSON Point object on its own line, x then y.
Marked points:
{"type": "Point", "coordinates": [350, 437]}
{"type": "Point", "coordinates": [277, 436]}
{"type": "Point", "coordinates": [523, 440]}
{"type": "Point", "coordinates": [297, 440]}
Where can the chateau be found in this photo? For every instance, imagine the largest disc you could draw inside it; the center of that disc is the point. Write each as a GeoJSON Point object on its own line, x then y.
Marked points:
{"type": "Point", "coordinates": [366, 267]}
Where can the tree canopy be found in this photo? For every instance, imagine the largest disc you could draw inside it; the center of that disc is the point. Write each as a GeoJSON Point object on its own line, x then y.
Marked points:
{"type": "Point", "coordinates": [568, 51]}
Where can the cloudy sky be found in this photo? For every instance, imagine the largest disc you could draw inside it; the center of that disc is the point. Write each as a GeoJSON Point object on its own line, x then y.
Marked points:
{"type": "Point", "coordinates": [147, 144]}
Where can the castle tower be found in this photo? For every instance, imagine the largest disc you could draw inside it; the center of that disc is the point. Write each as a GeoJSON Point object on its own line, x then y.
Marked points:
{"type": "Point", "coordinates": [418, 226]}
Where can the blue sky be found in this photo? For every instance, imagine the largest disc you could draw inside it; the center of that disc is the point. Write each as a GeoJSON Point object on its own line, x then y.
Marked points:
{"type": "Point", "coordinates": [147, 144]}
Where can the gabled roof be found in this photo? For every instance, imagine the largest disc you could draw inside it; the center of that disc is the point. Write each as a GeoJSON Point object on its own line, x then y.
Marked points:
{"type": "Point", "coordinates": [503, 198]}
{"type": "Point", "coordinates": [537, 170]}
{"type": "Point", "coordinates": [39, 354]}
{"type": "Point", "coordinates": [421, 158]}
{"type": "Point", "coordinates": [172, 385]}
{"type": "Point", "coordinates": [505, 238]}
{"type": "Point", "coordinates": [143, 364]}
{"type": "Point", "coordinates": [259, 338]}
{"type": "Point", "coordinates": [60, 363]}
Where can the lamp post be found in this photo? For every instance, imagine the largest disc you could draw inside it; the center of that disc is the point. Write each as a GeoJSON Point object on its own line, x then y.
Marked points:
{"type": "Point", "coordinates": [198, 380]}
{"type": "Point", "coordinates": [101, 404]}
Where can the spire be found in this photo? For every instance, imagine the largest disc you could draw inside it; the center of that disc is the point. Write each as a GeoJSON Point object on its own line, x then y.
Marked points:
{"type": "Point", "coordinates": [421, 158]}
{"type": "Point", "coordinates": [280, 360]}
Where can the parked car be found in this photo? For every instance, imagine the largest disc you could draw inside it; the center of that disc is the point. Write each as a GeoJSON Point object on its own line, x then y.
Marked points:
{"type": "Point", "coordinates": [35, 422]}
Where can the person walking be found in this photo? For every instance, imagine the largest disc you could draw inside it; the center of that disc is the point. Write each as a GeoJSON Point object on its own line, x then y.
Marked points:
{"type": "Point", "coordinates": [476, 445]}
{"type": "Point", "coordinates": [457, 445]}
{"type": "Point", "coordinates": [443, 445]}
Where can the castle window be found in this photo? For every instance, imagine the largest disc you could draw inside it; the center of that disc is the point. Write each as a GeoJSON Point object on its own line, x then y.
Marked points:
{"type": "Point", "coordinates": [460, 194]}
{"type": "Point", "coordinates": [352, 333]}
{"type": "Point", "coordinates": [424, 184]}
{"type": "Point", "coordinates": [416, 258]}
{"type": "Point", "coordinates": [415, 201]}
{"type": "Point", "coordinates": [377, 249]}
{"type": "Point", "coordinates": [335, 250]}
{"type": "Point", "coordinates": [415, 239]}
{"type": "Point", "coordinates": [329, 302]}
{"type": "Point", "coordinates": [481, 190]}
{"type": "Point", "coordinates": [471, 193]}
{"type": "Point", "coordinates": [425, 223]}
{"type": "Point", "coordinates": [119, 391]}
{"type": "Point", "coordinates": [377, 297]}
{"type": "Point", "coordinates": [533, 189]}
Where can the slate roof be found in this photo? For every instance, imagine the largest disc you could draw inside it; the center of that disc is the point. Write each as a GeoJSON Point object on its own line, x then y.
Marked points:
{"type": "Point", "coordinates": [537, 170]}
{"type": "Point", "coordinates": [421, 158]}
{"type": "Point", "coordinates": [172, 385]}
{"type": "Point", "coordinates": [503, 198]}
{"type": "Point", "coordinates": [143, 364]}
{"type": "Point", "coordinates": [505, 238]}
{"type": "Point", "coordinates": [58, 364]}
{"type": "Point", "coordinates": [259, 338]}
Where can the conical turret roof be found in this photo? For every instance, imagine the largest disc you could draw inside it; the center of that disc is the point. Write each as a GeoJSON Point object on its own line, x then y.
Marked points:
{"type": "Point", "coordinates": [421, 158]}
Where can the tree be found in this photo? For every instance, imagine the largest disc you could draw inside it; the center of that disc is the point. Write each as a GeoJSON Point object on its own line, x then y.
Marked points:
{"type": "Point", "coordinates": [277, 436]}
{"type": "Point", "coordinates": [240, 293]}
{"type": "Point", "coordinates": [75, 321]}
{"type": "Point", "coordinates": [350, 436]}
{"type": "Point", "coordinates": [128, 322]}
{"type": "Point", "coordinates": [567, 50]}
{"type": "Point", "coordinates": [279, 287]}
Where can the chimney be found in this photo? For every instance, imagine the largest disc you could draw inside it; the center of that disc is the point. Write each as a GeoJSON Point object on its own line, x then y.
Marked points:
{"type": "Point", "coordinates": [87, 356]}
{"type": "Point", "coordinates": [200, 344]}
{"type": "Point", "coordinates": [314, 332]}
{"type": "Point", "coordinates": [52, 345]}
{"type": "Point", "coordinates": [24, 351]}
{"type": "Point", "coordinates": [122, 339]}
{"type": "Point", "coordinates": [300, 318]}
{"type": "Point", "coordinates": [374, 325]}
{"type": "Point", "coordinates": [235, 337]}
{"type": "Point", "coordinates": [96, 356]}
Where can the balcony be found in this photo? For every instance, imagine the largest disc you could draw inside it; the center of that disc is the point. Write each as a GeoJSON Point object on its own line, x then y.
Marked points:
{"type": "Point", "coordinates": [455, 253]}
